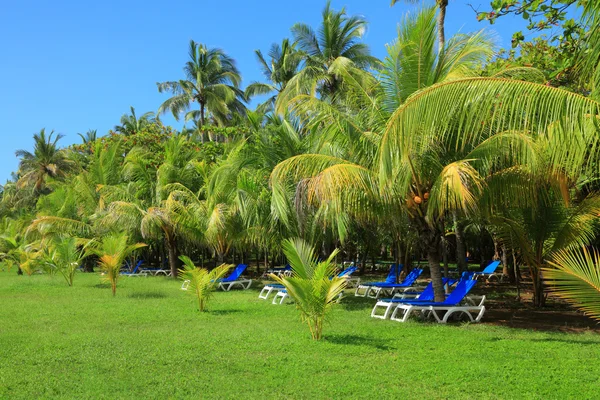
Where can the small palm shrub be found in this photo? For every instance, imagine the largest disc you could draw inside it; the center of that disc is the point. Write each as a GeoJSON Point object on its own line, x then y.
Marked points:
{"type": "Point", "coordinates": [112, 251]}
{"type": "Point", "coordinates": [313, 285]}
{"type": "Point", "coordinates": [65, 256]}
{"type": "Point", "coordinates": [202, 282]}
{"type": "Point", "coordinates": [574, 275]}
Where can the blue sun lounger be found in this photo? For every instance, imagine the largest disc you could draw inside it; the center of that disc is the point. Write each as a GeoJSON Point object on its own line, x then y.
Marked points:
{"type": "Point", "coordinates": [375, 289]}
{"type": "Point", "coordinates": [235, 279]}
{"type": "Point", "coordinates": [399, 298]}
{"type": "Point", "coordinates": [456, 302]}
{"type": "Point", "coordinates": [490, 271]}
{"type": "Point", "coordinates": [278, 287]}
{"type": "Point", "coordinates": [136, 271]}
{"type": "Point", "coordinates": [391, 278]}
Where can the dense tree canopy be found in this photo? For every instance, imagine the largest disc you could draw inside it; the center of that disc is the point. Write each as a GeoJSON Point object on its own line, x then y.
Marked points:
{"type": "Point", "coordinates": [387, 158]}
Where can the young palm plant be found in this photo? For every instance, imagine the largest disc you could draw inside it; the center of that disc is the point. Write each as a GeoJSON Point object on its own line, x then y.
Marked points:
{"type": "Point", "coordinates": [65, 256]}
{"type": "Point", "coordinates": [112, 251]}
{"type": "Point", "coordinates": [312, 286]}
{"type": "Point", "coordinates": [202, 282]}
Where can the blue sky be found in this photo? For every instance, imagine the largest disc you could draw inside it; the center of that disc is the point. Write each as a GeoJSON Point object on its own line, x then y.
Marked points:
{"type": "Point", "coordinates": [78, 65]}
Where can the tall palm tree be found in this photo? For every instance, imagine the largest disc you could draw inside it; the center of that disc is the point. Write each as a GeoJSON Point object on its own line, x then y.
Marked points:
{"type": "Point", "coordinates": [341, 171]}
{"type": "Point", "coordinates": [212, 80]}
{"type": "Point", "coordinates": [412, 62]}
{"type": "Point", "coordinates": [441, 18]}
{"type": "Point", "coordinates": [131, 124]}
{"type": "Point", "coordinates": [436, 150]}
{"type": "Point", "coordinates": [283, 65]}
{"type": "Point", "coordinates": [90, 136]}
{"type": "Point", "coordinates": [336, 45]}
{"type": "Point", "coordinates": [46, 161]}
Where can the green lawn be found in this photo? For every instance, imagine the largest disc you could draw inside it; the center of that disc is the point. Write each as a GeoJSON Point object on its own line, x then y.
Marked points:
{"type": "Point", "coordinates": [150, 342]}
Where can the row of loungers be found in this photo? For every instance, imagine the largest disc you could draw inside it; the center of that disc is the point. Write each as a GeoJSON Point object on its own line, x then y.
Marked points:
{"type": "Point", "coordinates": [389, 286]}
{"type": "Point", "coordinates": [234, 279]}
{"type": "Point", "coordinates": [401, 306]}
{"type": "Point", "coordinates": [281, 294]}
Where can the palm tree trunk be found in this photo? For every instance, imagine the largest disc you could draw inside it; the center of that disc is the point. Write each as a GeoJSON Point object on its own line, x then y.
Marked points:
{"type": "Point", "coordinates": [433, 259]}
{"type": "Point", "coordinates": [442, 4]}
{"type": "Point", "coordinates": [202, 121]}
{"type": "Point", "coordinates": [539, 300]}
{"type": "Point", "coordinates": [445, 258]}
{"type": "Point", "coordinates": [173, 256]}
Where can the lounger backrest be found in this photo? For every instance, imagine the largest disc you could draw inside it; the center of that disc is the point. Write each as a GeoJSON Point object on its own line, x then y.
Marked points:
{"type": "Point", "coordinates": [490, 269]}
{"type": "Point", "coordinates": [391, 277]}
{"type": "Point", "coordinates": [137, 266]}
{"type": "Point", "coordinates": [237, 272]}
{"type": "Point", "coordinates": [462, 289]}
{"type": "Point", "coordinates": [467, 275]}
{"type": "Point", "coordinates": [348, 271]}
{"type": "Point", "coordinates": [427, 293]}
{"type": "Point", "coordinates": [412, 276]}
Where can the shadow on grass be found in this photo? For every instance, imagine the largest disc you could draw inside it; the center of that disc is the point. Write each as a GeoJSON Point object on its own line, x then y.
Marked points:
{"type": "Point", "coordinates": [567, 341]}
{"type": "Point", "coordinates": [224, 312]}
{"type": "Point", "coordinates": [102, 285]}
{"type": "Point", "coordinates": [355, 340]}
{"type": "Point", "coordinates": [352, 303]}
{"type": "Point", "coordinates": [147, 295]}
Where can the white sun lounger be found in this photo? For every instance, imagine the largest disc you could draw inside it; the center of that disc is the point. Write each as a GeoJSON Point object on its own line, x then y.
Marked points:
{"type": "Point", "coordinates": [442, 311]}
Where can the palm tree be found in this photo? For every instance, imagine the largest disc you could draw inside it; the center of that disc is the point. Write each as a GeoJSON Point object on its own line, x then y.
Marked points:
{"type": "Point", "coordinates": [441, 17]}
{"type": "Point", "coordinates": [336, 45]}
{"type": "Point", "coordinates": [212, 80]}
{"type": "Point", "coordinates": [312, 286]}
{"type": "Point", "coordinates": [65, 255]}
{"type": "Point", "coordinates": [341, 176]}
{"type": "Point", "coordinates": [131, 124]}
{"type": "Point", "coordinates": [141, 204]}
{"type": "Point", "coordinates": [284, 63]}
{"type": "Point", "coordinates": [89, 137]}
{"type": "Point", "coordinates": [412, 62]}
{"type": "Point", "coordinates": [201, 281]}
{"type": "Point", "coordinates": [112, 251]}
{"type": "Point", "coordinates": [46, 161]}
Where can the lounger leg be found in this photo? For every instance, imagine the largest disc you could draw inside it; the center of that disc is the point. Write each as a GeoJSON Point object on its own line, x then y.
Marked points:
{"type": "Point", "coordinates": [480, 315]}
{"type": "Point", "coordinates": [406, 314]}
{"type": "Point", "coordinates": [366, 289]}
{"type": "Point", "coordinates": [261, 294]}
{"type": "Point", "coordinates": [373, 292]}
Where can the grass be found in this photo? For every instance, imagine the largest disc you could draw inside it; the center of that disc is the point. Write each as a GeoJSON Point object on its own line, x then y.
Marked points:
{"type": "Point", "coordinates": [150, 342]}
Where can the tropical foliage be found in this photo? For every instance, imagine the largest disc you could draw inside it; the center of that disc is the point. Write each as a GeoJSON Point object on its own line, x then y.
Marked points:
{"type": "Point", "coordinates": [112, 251]}
{"type": "Point", "coordinates": [200, 281]}
{"type": "Point", "coordinates": [574, 275]}
{"type": "Point", "coordinates": [312, 286]}
{"type": "Point", "coordinates": [435, 150]}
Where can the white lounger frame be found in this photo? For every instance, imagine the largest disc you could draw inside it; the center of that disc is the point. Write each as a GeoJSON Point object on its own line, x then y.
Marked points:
{"type": "Point", "coordinates": [226, 286]}
{"type": "Point", "coordinates": [390, 305]}
{"type": "Point", "coordinates": [281, 296]}
{"type": "Point", "coordinates": [352, 282]}
{"type": "Point", "coordinates": [405, 310]}
{"type": "Point", "coordinates": [243, 283]}
{"type": "Point", "coordinates": [375, 292]}
{"type": "Point", "coordinates": [268, 289]}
